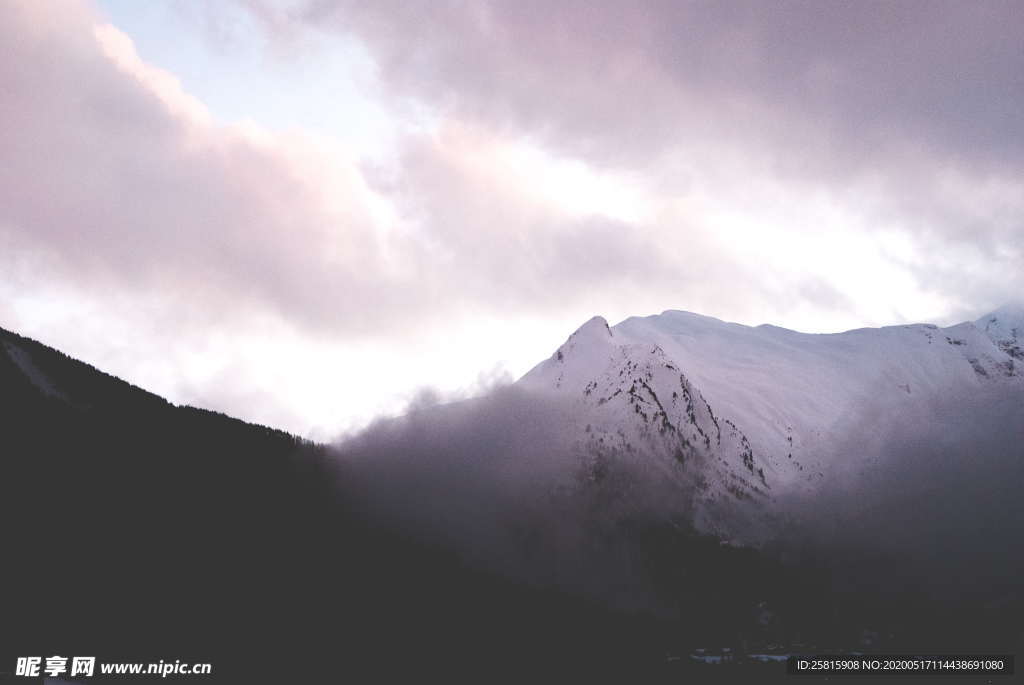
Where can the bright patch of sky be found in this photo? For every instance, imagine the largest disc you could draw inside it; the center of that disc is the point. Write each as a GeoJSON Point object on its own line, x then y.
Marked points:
{"type": "Point", "coordinates": [323, 85]}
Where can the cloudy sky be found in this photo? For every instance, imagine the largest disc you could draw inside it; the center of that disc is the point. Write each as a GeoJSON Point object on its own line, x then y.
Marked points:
{"type": "Point", "coordinates": [301, 212]}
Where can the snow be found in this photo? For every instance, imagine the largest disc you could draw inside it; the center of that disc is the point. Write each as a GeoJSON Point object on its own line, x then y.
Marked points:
{"type": "Point", "coordinates": [1005, 327]}
{"type": "Point", "coordinates": [770, 399]}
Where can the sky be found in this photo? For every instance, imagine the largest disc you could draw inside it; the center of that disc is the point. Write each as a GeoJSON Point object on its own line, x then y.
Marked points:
{"type": "Point", "coordinates": [307, 213]}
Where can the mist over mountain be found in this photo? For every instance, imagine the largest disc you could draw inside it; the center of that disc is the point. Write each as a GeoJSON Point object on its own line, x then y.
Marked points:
{"type": "Point", "coordinates": [887, 460]}
{"type": "Point", "coordinates": [668, 483]}
{"type": "Point", "coordinates": [139, 528]}
{"type": "Point", "coordinates": [933, 491]}
{"type": "Point", "coordinates": [738, 423]}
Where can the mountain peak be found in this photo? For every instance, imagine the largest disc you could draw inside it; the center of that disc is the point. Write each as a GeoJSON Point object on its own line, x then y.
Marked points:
{"type": "Point", "coordinates": [596, 326]}
{"type": "Point", "coordinates": [1009, 311]}
{"type": "Point", "coordinates": [1005, 327]}
{"type": "Point", "coordinates": [1005, 319]}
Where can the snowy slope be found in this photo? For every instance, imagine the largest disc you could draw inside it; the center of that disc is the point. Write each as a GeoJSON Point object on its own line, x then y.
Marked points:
{"type": "Point", "coordinates": [1005, 327]}
{"type": "Point", "coordinates": [743, 413]}
{"type": "Point", "coordinates": [632, 400]}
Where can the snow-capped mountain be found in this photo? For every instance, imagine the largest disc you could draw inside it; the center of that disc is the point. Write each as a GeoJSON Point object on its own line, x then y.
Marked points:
{"type": "Point", "coordinates": [746, 414]}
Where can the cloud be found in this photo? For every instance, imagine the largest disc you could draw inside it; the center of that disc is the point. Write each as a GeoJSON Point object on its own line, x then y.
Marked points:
{"type": "Point", "coordinates": [484, 219]}
{"type": "Point", "coordinates": [124, 179]}
{"type": "Point", "coordinates": [497, 480]}
{"type": "Point", "coordinates": [117, 179]}
{"type": "Point", "coordinates": [903, 114]}
{"type": "Point", "coordinates": [627, 79]}
{"type": "Point", "coordinates": [925, 490]}
{"type": "Point", "coordinates": [120, 180]}
{"type": "Point", "coordinates": [566, 159]}
{"type": "Point", "coordinates": [147, 236]}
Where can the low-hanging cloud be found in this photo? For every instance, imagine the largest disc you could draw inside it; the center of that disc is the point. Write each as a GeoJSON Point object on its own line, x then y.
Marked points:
{"type": "Point", "coordinates": [499, 480]}
{"type": "Point", "coordinates": [924, 495]}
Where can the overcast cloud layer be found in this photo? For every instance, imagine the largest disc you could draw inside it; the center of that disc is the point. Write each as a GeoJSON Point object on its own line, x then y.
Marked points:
{"type": "Point", "coordinates": [814, 164]}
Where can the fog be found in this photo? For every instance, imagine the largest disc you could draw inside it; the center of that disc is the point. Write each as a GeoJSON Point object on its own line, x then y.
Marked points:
{"type": "Point", "coordinates": [922, 497]}
{"type": "Point", "coordinates": [927, 496]}
{"type": "Point", "coordinates": [500, 480]}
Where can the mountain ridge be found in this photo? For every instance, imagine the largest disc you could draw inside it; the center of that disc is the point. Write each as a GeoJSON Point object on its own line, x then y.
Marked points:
{"type": "Point", "coordinates": [83, 386]}
{"type": "Point", "coordinates": [143, 526]}
{"type": "Point", "coordinates": [787, 397]}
